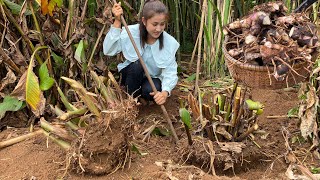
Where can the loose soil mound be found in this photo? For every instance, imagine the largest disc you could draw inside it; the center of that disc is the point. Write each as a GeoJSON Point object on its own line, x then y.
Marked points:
{"type": "Point", "coordinates": [32, 158]}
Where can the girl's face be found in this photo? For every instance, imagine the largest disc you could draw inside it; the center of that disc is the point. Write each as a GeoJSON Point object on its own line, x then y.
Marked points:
{"type": "Point", "coordinates": [155, 26]}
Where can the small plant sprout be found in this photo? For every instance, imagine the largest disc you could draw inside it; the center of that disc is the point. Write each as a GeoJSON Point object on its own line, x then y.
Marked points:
{"type": "Point", "coordinates": [255, 106]}
{"type": "Point", "coordinates": [186, 119]}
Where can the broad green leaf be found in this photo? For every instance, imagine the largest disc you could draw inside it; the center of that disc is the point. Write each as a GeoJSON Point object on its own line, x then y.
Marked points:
{"type": "Point", "coordinates": [9, 104]}
{"type": "Point", "coordinates": [34, 96]}
{"type": "Point", "coordinates": [185, 117]}
{"type": "Point", "coordinates": [15, 8]}
{"type": "Point", "coordinates": [46, 82]}
{"type": "Point", "coordinates": [79, 54]}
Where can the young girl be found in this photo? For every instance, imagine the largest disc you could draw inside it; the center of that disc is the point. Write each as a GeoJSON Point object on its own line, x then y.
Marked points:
{"type": "Point", "coordinates": [156, 47]}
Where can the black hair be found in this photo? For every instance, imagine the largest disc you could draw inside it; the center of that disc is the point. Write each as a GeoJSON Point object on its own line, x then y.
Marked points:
{"type": "Point", "coordinates": [151, 7]}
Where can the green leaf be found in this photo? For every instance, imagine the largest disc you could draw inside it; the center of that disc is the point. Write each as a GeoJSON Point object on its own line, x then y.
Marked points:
{"type": "Point", "coordinates": [65, 101]}
{"type": "Point", "coordinates": [191, 78]}
{"type": "Point", "coordinates": [79, 54]}
{"type": "Point", "coordinates": [10, 104]}
{"type": "Point", "coordinates": [92, 6]}
{"type": "Point", "coordinates": [293, 112]}
{"type": "Point", "coordinates": [134, 148]}
{"type": "Point", "coordinates": [315, 170]}
{"type": "Point", "coordinates": [160, 132]}
{"type": "Point", "coordinates": [185, 117]}
{"type": "Point", "coordinates": [57, 59]}
{"type": "Point", "coordinates": [212, 84]}
{"type": "Point", "coordinates": [254, 105]}
{"type": "Point", "coordinates": [34, 96]}
{"type": "Point", "coordinates": [15, 8]}
{"type": "Point", "coordinates": [59, 2]}
{"type": "Point", "coordinates": [46, 82]}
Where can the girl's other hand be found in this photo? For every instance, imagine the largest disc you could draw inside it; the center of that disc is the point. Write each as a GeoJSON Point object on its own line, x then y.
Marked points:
{"type": "Point", "coordinates": [160, 97]}
{"type": "Point", "coordinates": [117, 10]}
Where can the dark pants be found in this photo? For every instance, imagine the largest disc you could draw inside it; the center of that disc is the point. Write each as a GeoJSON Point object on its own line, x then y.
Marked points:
{"type": "Point", "coordinates": [136, 83]}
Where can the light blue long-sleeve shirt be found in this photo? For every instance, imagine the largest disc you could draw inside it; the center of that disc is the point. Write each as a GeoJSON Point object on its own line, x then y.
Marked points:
{"type": "Point", "coordinates": [160, 63]}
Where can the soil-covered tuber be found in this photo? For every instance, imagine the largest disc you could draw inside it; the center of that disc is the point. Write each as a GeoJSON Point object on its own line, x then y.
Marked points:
{"type": "Point", "coordinates": [272, 37]}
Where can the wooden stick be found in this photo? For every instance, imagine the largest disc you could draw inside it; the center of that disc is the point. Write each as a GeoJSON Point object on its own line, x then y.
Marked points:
{"type": "Point", "coordinates": [249, 131]}
{"type": "Point", "coordinates": [149, 77]}
{"type": "Point", "coordinates": [12, 141]}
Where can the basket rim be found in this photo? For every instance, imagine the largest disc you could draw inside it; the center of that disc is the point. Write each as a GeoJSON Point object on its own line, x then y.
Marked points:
{"type": "Point", "coordinates": [247, 65]}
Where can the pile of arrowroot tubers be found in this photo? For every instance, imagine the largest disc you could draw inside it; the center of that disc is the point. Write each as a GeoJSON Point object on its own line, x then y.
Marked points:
{"type": "Point", "coordinates": [269, 36]}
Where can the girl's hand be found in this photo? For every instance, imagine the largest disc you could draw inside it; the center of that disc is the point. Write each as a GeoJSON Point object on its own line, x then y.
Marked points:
{"type": "Point", "coordinates": [160, 97]}
{"type": "Point", "coordinates": [117, 10]}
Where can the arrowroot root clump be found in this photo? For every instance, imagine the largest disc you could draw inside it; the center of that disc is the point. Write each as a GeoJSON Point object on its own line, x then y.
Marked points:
{"type": "Point", "coordinates": [269, 36]}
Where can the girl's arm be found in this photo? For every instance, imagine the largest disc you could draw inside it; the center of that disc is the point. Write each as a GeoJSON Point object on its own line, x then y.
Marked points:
{"type": "Point", "coordinates": [169, 81]}
{"type": "Point", "coordinates": [111, 43]}
{"type": "Point", "coordinates": [170, 77]}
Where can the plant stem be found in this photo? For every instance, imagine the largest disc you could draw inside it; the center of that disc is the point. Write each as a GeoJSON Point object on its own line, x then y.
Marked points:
{"type": "Point", "coordinates": [95, 45]}
{"type": "Point", "coordinates": [69, 114]}
{"type": "Point", "coordinates": [188, 134]}
{"type": "Point", "coordinates": [12, 141]}
{"type": "Point", "coordinates": [66, 146]}
{"type": "Point", "coordinates": [65, 101]}
{"type": "Point", "coordinates": [249, 131]}
{"type": "Point", "coordinates": [177, 28]}
{"type": "Point", "coordinates": [55, 130]}
{"type": "Point", "coordinates": [36, 23]}
{"type": "Point", "coordinates": [204, 10]}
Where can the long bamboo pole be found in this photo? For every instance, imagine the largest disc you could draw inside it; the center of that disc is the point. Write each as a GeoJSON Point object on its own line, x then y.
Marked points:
{"type": "Point", "coordinates": [204, 9]}
{"type": "Point", "coordinates": [154, 89]}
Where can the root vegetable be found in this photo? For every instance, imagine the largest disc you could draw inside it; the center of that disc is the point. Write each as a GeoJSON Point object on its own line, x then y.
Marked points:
{"type": "Point", "coordinates": [235, 25]}
{"type": "Point", "coordinates": [250, 39]}
{"type": "Point", "coordinates": [252, 56]}
{"type": "Point", "coordinates": [285, 20]}
{"type": "Point", "coordinates": [268, 36]}
{"type": "Point", "coordinates": [281, 72]}
{"type": "Point", "coordinates": [235, 52]}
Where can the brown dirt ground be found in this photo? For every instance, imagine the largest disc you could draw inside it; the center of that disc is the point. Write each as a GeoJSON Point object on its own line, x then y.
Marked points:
{"type": "Point", "coordinates": [38, 158]}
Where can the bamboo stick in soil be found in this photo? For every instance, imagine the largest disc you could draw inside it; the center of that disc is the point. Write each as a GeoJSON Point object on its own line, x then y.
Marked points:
{"type": "Point", "coordinates": [12, 141]}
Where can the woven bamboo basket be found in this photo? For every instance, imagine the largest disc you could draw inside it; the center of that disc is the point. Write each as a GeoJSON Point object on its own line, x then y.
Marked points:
{"type": "Point", "coordinates": [255, 76]}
